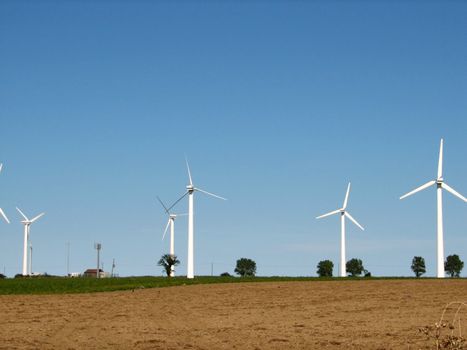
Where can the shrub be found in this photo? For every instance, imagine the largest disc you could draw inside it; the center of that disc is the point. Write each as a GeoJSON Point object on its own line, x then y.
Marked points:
{"type": "Point", "coordinates": [245, 267]}
{"type": "Point", "coordinates": [418, 266]}
{"type": "Point", "coordinates": [354, 267]}
{"type": "Point", "coordinates": [325, 268]}
{"type": "Point", "coordinates": [453, 265]}
{"type": "Point", "coordinates": [167, 261]}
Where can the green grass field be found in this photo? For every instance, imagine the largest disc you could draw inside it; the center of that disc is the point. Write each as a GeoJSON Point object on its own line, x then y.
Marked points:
{"type": "Point", "coordinates": [58, 285]}
{"type": "Point", "coordinates": [62, 285]}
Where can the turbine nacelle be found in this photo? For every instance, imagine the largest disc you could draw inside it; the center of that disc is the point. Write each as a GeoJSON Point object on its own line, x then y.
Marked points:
{"type": "Point", "coordinates": [439, 182]}
{"type": "Point", "coordinates": [26, 221]}
{"type": "Point", "coordinates": [343, 210]}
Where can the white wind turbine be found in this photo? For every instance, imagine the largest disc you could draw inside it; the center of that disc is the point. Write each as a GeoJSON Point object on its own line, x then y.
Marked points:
{"type": "Point", "coordinates": [190, 189]}
{"type": "Point", "coordinates": [1, 211]}
{"type": "Point", "coordinates": [344, 214]}
{"type": "Point", "coordinates": [171, 223]}
{"type": "Point", "coordinates": [440, 185]}
{"type": "Point", "coordinates": [27, 223]}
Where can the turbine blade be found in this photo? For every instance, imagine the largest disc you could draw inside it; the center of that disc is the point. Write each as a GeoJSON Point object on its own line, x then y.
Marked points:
{"type": "Point", "coordinates": [453, 191]}
{"type": "Point", "coordinates": [440, 160]}
{"type": "Point", "coordinates": [1, 167]}
{"type": "Point", "coordinates": [210, 194]}
{"type": "Point", "coordinates": [353, 220]}
{"type": "Point", "coordinates": [189, 172]}
{"type": "Point", "coordinates": [163, 206]}
{"type": "Point", "coordinates": [4, 216]}
{"type": "Point", "coordinates": [178, 200]}
{"type": "Point", "coordinates": [22, 214]}
{"type": "Point", "coordinates": [428, 184]}
{"type": "Point", "coordinates": [166, 227]}
{"type": "Point", "coordinates": [346, 197]}
{"type": "Point", "coordinates": [328, 214]}
{"type": "Point", "coordinates": [37, 217]}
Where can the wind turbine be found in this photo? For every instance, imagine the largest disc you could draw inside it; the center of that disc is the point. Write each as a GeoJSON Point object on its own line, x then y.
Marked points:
{"type": "Point", "coordinates": [344, 213]}
{"type": "Point", "coordinates": [190, 189]}
{"type": "Point", "coordinates": [27, 223]}
{"type": "Point", "coordinates": [440, 185]}
{"type": "Point", "coordinates": [1, 211]}
{"type": "Point", "coordinates": [171, 223]}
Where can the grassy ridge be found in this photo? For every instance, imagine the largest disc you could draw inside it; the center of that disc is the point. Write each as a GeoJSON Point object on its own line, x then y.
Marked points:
{"type": "Point", "coordinates": [62, 285]}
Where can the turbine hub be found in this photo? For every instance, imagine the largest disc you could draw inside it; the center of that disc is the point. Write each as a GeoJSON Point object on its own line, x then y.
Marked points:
{"type": "Point", "coordinates": [440, 180]}
{"type": "Point", "coordinates": [190, 188]}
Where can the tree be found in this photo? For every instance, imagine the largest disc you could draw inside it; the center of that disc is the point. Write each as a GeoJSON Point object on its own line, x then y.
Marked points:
{"type": "Point", "coordinates": [325, 268]}
{"type": "Point", "coordinates": [167, 261]}
{"type": "Point", "coordinates": [354, 267]}
{"type": "Point", "coordinates": [225, 274]}
{"type": "Point", "coordinates": [245, 267]}
{"type": "Point", "coordinates": [418, 266]}
{"type": "Point", "coordinates": [453, 265]}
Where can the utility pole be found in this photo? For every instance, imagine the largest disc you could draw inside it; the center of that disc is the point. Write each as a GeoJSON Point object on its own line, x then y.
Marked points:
{"type": "Point", "coordinates": [113, 267]}
{"type": "Point", "coordinates": [212, 269]}
{"type": "Point", "coordinates": [98, 247]}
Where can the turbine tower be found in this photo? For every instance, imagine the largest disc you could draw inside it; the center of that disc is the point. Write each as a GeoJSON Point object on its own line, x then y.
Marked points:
{"type": "Point", "coordinates": [27, 223]}
{"type": "Point", "coordinates": [440, 185]}
{"type": "Point", "coordinates": [190, 190]}
{"type": "Point", "coordinates": [171, 223]}
{"type": "Point", "coordinates": [344, 213]}
{"type": "Point", "coordinates": [1, 211]}
{"type": "Point", "coordinates": [30, 259]}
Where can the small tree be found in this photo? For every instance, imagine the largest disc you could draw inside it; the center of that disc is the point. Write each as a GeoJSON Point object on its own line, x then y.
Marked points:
{"type": "Point", "coordinates": [167, 261]}
{"type": "Point", "coordinates": [453, 265]}
{"type": "Point", "coordinates": [354, 267]}
{"type": "Point", "coordinates": [325, 268]}
{"type": "Point", "coordinates": [418, 266]}
{"type": "Point", "coordinates": [245, 267]}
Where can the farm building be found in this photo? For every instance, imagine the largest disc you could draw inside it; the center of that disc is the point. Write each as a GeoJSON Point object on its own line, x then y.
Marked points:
{"type": "Point", "coordinates": [93, 273]}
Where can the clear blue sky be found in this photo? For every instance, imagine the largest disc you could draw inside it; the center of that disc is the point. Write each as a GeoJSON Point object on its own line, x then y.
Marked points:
{"type": "Point", "coordinates": [277, 106]}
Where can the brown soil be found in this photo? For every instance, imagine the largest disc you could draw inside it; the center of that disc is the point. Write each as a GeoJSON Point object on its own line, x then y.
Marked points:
{"type": "Point", "coordinates": [381, 314]}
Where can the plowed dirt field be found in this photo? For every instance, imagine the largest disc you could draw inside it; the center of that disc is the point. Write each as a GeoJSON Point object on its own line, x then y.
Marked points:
{"type": "Point", "coordinates": [364, 314]}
